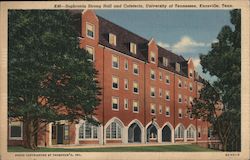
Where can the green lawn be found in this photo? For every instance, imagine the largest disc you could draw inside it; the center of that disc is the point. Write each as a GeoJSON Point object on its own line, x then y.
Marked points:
{"type": "Point", "coordinates": [161, 148]}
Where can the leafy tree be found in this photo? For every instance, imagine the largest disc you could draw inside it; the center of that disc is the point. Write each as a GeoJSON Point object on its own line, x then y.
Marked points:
{"type": "Point", "coordinates": [49, 77]}
{"type": "Point", "coordinates": [224, 62]}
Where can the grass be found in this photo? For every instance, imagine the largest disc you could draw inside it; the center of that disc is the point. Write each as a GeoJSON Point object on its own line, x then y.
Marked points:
{"type": "Point", "coordinates": [162, 148]}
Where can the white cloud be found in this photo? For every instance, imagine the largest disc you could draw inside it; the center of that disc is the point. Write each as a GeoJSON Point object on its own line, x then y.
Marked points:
{"type": "Point", "coordinates": [196, 62]}
{"type": "Point", "coordinates": [164, 45]}
{"type": "Point", "coordinates": [187, 44]}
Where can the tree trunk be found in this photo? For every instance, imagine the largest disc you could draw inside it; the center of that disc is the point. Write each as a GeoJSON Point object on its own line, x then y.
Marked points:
{"type": "Point", "coordinates": [29, 141]}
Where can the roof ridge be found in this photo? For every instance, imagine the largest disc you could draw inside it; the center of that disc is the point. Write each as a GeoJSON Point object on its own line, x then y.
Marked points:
{"type": "Point", "coordinates": [123, 28]}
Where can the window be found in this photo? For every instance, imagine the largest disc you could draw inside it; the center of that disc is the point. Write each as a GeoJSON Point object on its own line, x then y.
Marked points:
{"type": "Point", "coordinates": [135, 69]}
{"type": "Point", "coordinates": [133, 48]}
{"type": "Point", "coordinates": [113, 131]}
{"type": "Point", "coordinates": [152, 108]}
{"type": "Point", "coordinates": [91, 51]}
{"type": "Point", "coordinates": [165, 61]}
{"type": "Point", "coordinates": [180, 113]}
{"type": "Point", "coordinates": [167, 79]}
{"type": "Point", "coordinates": [152, 74]}
{"type": "Point", "coordinates": [88, 131]}
{"type": "Point", "coordinates": [190, 115]}
{"type": "Point", "coordinates": [179, 98]}
{"type": "Point", "coordinates": [190, 100]}
{"type": "Point", "coordinates": [152, 57]}
{"type": "Point", "coordinates": [199, 132]}
{"type": "Point", "coordinates": [185, 99]}
{"type": "Point", "coordinates": [115, 103]}
{"type": "Point", "coordinates": [191, 73]}
{"type": "Point", "coordinates": [152, 92]}
{"type": "Point", "coordinates": [90, 29]}
{"type": "Point", "coordinates": [167, 111]}
{"type": "Point", "coordinates": [160, 109]}
{"type": "Point", "coordinates": [160, 92]}
{"type": "Point", "coordinates": [126, 104]}
{"type": "Point", "coordinates": [167, 95]}
{"type": "Point", "coordinates": [177, 67]}
{"type": "Point", "coordinates": [179, 132]}
{"type": "Point", "coordinates": [135, 106]}
{"type": "Point", "coordinates": [191, 87]}
{"type": "Point", "coordinates": [185, 84]}
{"type": "Point", "coordinates": [66, 132]}
{"type": "Point", "coordinates": [16, 130]}
{"type": "Point", "coordinates": [115, 82]}
{"type": "Point", "coordinates": [160, 76]}
{"type": "Point", "coordinates": [126, 64]}
{"type": "Point", "coordinates": [126, 84]}
{"type": "Point", "coordinates": [112, 39]}
{"type": "Point", "coordinates": [115, 62]}
{"type": "Point", "coordinates": [135, 87]}
{"type": "Point", "coordinates": [179, 83]}
{"type": "Point", "coordinates": [190, 132]}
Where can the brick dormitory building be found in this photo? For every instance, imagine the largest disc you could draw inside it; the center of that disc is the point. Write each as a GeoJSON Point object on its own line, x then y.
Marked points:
{"type": "Point", "coordinates": [146, 91]}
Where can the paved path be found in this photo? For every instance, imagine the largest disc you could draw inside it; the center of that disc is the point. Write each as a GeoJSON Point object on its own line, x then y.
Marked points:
{"type": "Point", "coordinates": [114, 145]}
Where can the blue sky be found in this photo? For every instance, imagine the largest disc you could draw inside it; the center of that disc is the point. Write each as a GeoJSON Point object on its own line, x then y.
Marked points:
{"type": "Point", "coordinates": [185, 32]}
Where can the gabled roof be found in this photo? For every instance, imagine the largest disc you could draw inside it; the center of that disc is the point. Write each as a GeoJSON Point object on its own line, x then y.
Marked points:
{"type": "Point", "coordinates": [123, 39]}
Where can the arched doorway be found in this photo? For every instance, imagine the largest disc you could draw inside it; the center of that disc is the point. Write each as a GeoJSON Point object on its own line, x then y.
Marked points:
{"type": "Point", "coordinates": [166, 134]}
{"type": "Point", "coordinates": [134, 133]}
{"type": "Point", "coordinates": [152, 133]}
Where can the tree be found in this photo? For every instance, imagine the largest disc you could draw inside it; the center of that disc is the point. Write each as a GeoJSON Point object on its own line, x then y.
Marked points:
{"type": "Point", "coordinates": [224, 62]}
{"type": "Point", "coordinates": [49, 76]}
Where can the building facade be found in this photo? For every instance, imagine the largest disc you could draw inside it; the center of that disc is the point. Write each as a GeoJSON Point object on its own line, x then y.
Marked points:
{"type": "Point", "coordinates": [146, 93]}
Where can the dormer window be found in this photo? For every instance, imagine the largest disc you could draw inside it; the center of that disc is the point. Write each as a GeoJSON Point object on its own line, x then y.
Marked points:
{"type": "Point", "coordinates": [112, 39]}
{"type": "Point", "coordinates": [178, 67]}
{"type": "Point", "coordinates": [133, 48]}
{"type": "Point", "coordinates": [152, 57]}
{"type": "Point", "coordinates": [165, 61]}
{"type": "Point", "coordinates": [90, 30]}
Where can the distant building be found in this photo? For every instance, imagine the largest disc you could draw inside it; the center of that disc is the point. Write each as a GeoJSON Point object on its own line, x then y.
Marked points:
{"type": "Point", "coordinates": [145, 92]}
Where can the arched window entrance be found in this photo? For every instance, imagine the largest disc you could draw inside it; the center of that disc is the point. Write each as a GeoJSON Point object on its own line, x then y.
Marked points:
{"type": "Point", "coordinates": [134, 133]}
{"type": "Point", "coordinates": [152, 133]}
{"type": "Point", "coordinates": [166, 134]}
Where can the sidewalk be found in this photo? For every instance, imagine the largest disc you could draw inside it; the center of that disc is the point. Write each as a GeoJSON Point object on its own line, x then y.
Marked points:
{"type": "Point", "coordinates": [114, 145]}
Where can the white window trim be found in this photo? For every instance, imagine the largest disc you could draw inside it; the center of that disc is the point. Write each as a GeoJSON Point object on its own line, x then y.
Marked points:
{"type": "Point", "coordinates": [137, 69]}
{"type": "Point", "coordinates": [125, 62]}
{"type": "Point", "coordinates": [166, 79]}
{"type": "Point", "coordinates": [88, 46]}
{"type": "Point", "coordinates": [179, 82]}
{"type": "Point", "coordinates": [137, 88]}
{"type": "Point", "coordinates": [168, 111]}
{"type": "Point", "coordinates": [167, 93]}
{"type": "Point", "coordinates": [130, 49]}
{"type": "Point", "coordinates": [111, 34]}
{"type": "Point", "coordinates": [16, 138]}
{"type": "Point", "coordinates": [117, 61]}
{"type": "Point", "coordinates": [87, 23]}
{"type": "Point", "coordinates": [137, 106]}
{"type": "Point", "coordinates": [160, 109]}
{"type": "Point", "coordinates": [180, 113]}
{"type": "Point", "coordinates": [117, 125]}
{"type": "Point", "coordinates": [125, 99]}
{"type": "Point", "coordinates": [151, 70]}
{"type": "Point", "coordinates": [191, 85]}
{"type": "Point", "coordinates": [92, 133]}
{"type": "Point", "coordinates": [179, 97]}
{"type": "Point", "coordinates": [117, 83]}
{"type": "Point", "coordinates": [118, 106]}
{"type": "Point", "coordinates": [126, 80]}
{"type": "Point", "coordinates": [160, 76]}
{"type": "Point", "coordinates": [160, 91]}
{"type": "Point", "coordinates": [152, 56]}
{"type": "Point", "coordinates": [152, 104]}
{"type": "Point", "coordinates": [154, 92]}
